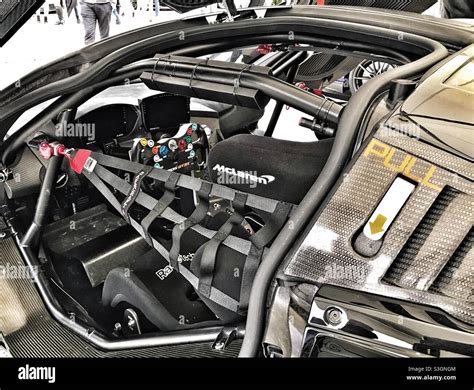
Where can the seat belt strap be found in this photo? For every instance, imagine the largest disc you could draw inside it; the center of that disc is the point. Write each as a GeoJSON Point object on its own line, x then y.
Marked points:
{"type": "Point", "coordinates": [252, 262]}
{"type": "Point", "coordinates": [259, 240]}
{"type": "Point", "coordinates": [165, 201]}
{"type": "Point", "coordinates": [189, 182]}
{"type": "Point", "coordinates": [145, 200]}
{"type": "Point", "coordinates": [103, 189]}
{"type": "Point", "coordinates": [195, 218]}
{"type": "Point", "coordinates": [272, 226]}
{"type": "Point", "coordinates": [254, 248]}
{"type": "Point", "coordinates": [134, 191]}
{"type": "Point", "coordinates": [208, 260]}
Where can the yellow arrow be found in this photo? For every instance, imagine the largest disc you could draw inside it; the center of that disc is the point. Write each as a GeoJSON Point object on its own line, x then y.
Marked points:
{"type": "Point", "coordinates": [377, 225]}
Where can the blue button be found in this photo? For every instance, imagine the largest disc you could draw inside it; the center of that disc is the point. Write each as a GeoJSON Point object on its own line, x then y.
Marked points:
{"type": "Point", "coordinates": [164, 151]}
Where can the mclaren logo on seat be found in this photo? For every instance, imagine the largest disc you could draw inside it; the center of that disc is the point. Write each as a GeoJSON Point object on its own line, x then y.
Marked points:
{"type": "Point", "coordinates": [228, 175]}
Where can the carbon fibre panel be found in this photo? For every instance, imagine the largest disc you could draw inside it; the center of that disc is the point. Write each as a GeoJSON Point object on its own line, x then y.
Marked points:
{"type": "Point", "coordinates": [433, 275]}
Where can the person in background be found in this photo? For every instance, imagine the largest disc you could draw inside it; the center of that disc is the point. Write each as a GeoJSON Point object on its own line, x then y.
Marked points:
{"type": "Point", "coordinates": [76, 12]}
{"type": "Point", "coordinates": [126, 8]}
{"type": "Point", "coordinates": [58, 4]}
{"type": "Point", "coordinates": [71, 5]}
{"type": "Point", "coordinates": [157, 7]}
{"type": "Point", "coordinates": [115, 11]}
{"type": "Point", "coordinates": [95, 12]}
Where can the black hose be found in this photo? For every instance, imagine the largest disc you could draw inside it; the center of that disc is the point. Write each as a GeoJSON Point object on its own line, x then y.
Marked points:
{"type": "Point", "coordinates": [390, 55]}
{"type": "Point", "coordinates": [273, 87]}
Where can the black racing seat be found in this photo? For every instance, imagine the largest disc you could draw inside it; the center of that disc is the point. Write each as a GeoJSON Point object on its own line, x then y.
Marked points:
{"type": "Point", "coordinates": [269, 167]}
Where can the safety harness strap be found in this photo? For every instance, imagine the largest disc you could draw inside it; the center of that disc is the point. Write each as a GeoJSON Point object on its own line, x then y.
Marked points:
{"type": "Point", "coordinates": [259, 240]}
{"type": "Point", "coordinates": [216, 295]}
{"type": "Point", "coordinates": [160, 206]}
{"type": "Point", "coordinates": [145, 200]}
{"type": "Point", "coordinates": [276, 221]}
{"type": "Point", "coordinates": [252, 262]}
{"type": "Point", "coordinates": [134, 191]}
{"type": "Point", "coordinates": [104, 190]}
{"type": "Point", "coordinates": [209, 256]}
{"type": "Point", "coordinates": [189, 182]}
{"type": "Point", "coordinates": [195, 218]}
{"type": "Point", "coordinates": [254, 248]}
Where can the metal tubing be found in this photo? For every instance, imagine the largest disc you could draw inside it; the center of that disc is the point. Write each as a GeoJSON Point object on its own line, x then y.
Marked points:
{"type": "Point", "coordinates": [279, 105]}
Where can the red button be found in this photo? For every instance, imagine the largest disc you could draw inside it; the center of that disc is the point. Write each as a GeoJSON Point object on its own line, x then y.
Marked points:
{"type": "Point", "coordinates": [189, 131]}
{"type": "Point", "coordinates": [182, 145]}
{"type": "Point", "coordinates": [155, 149]}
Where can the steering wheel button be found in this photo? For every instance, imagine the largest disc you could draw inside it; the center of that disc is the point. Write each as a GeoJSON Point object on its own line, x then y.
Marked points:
{"type": "Point", "coordinates": [172, 145]}
{"type": "Point", "coordinates": [189, 131]}
{"type": "Point", "coordinates": [151, 143]}
{"type": "Point", "coordinates": [164, 151]}
{"type": "Point", "coordinates": [155, 150]}
{"type": "Point", "coordinates": [182, 145]}
{"type": "Point", "coordinates": [144, 142]}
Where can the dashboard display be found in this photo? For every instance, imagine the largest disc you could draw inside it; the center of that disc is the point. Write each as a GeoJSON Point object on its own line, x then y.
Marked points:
{"type": "Point", "coordinates": [110, 122]}
{"type": "Point", "coordinates": [165, 112]}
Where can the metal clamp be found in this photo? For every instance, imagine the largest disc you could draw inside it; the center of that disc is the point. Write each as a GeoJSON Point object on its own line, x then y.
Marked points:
{"type": "Point", "coordinates": [225, 337]}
